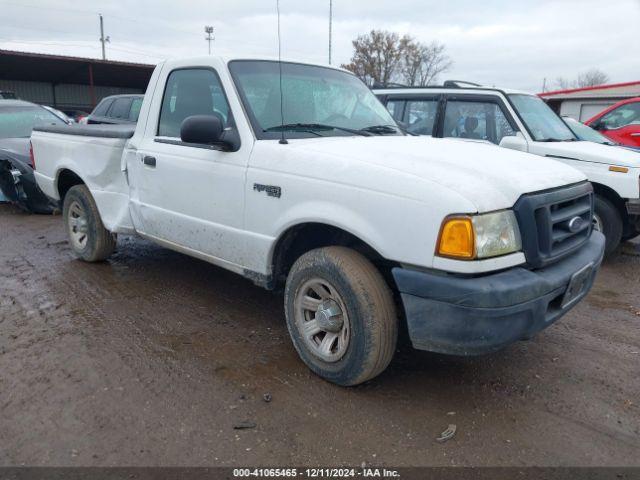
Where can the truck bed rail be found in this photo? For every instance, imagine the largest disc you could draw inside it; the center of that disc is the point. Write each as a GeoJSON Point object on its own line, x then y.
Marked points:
{"type": "Point", "coordinates": [102, 131]}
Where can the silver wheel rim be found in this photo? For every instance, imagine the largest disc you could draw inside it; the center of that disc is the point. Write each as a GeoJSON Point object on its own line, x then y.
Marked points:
{"type": "Point", "coordinates": [597, 223]}
{"type": "Point", "coordinates": [321, 319]}
{"type": "Point", "coordinates": [78, 225]}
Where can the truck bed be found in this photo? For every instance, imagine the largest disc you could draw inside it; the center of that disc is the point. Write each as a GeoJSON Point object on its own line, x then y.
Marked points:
{"type": "Point", "coordinates": [93, 153]}
{"type": "Point", "coordinates": [100, 131]}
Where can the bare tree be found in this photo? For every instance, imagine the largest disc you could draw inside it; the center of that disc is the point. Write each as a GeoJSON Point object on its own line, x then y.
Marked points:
{"type": "Point", "coordinates": [423, 63]}
{"type": "Point", "coordinates": [377, 55]}
{"type": "Point", "coordinates": [386, 57]}
{"type": "Point", "coordinates": [590, 78]}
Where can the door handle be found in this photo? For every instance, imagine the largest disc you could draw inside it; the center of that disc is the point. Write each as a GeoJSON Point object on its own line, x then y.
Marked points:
{"type": "Point", "coordinates": [635, 134]}
{"type": "Point", "coordinates": [149, 161]}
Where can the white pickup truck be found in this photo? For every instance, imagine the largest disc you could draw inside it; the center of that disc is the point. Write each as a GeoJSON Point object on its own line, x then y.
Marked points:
{"type": "Point", "coordinates": [295, 176]}
{"type": "Point", "coordinates": [522, 121]}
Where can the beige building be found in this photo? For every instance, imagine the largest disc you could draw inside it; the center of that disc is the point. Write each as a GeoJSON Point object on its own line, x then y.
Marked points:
{"type": "Point", "coordinates": [584, 103]}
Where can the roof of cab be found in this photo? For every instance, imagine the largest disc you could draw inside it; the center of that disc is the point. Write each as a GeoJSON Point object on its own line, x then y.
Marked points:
{"type": "Point", "coordinates": [227, 58]}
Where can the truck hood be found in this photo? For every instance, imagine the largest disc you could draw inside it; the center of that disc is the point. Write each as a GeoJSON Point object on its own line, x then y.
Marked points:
{"type": "Point", "coordinates": [490, 177]}
{"type": "Point", "coordinates": [591, 152]}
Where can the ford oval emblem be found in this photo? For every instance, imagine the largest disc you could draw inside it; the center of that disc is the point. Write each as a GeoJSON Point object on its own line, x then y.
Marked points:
{"type": "Point", "coordinates": [575, 224]}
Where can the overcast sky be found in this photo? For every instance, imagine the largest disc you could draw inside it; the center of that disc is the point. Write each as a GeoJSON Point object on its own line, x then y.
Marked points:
{"type": "Point", "coordinates": [510, 43]}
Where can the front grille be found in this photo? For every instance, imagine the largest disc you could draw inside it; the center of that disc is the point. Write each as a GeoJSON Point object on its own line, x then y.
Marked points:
{"type": "Point", "coordinates": [554, 223]}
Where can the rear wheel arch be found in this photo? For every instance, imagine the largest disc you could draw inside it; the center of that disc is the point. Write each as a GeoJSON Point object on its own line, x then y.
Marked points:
{"type": "Point", "coordinates": [66, 179]}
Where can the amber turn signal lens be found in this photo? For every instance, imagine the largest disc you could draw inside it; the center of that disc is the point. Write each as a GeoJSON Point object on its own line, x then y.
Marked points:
{"type": "Point", "coordinates": [614, 168]}
{"type": "Point", "coordinates": [457, 238]}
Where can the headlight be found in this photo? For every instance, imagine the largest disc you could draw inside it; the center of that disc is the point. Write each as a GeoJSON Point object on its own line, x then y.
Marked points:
{"type": "Point", "coordinates": [479, 236]}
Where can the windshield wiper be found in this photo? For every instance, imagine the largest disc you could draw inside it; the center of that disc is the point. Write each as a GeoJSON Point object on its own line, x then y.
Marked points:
{"type": "Point", "coordinates": [557, 140]}
{"type": "Point", "coordinates": [314, 126]}
{"type": "Point", "coordinates": [381, 129]}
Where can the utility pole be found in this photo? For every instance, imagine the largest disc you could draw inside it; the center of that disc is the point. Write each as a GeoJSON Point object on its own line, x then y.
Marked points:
{"type": "Point", "coordinates": [544, 84]}
{"type": "Point", "coordinates": [209, 38]}
{"type": "Point", "coordinates": [103, 39]}
{"type": "Point", "coordinates": [330, 27]}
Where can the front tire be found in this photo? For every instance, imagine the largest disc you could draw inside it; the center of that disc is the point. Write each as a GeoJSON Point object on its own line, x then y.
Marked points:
{"type": "Point", "coordinates": [607, 220]}
{"type": "Point", "coordinates": [341, 315]}
{"type": "Point", "coordinates": [88, 238]}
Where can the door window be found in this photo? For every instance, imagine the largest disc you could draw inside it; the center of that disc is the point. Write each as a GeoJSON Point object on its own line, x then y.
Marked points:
{"type": "Point", "coordinates": [622, 116]}
{"type": "Point", "coordinates": [195, 91]}
{"type": "Point", "coordinates": [120, 108]}
{"type": "Point", "coordinates": [395, 108]}
{"type": "Point", "coordinates": [476, 120]}
{"type": "Point", "coordinates": [420, 116]}
{"type": "Point", "coordinates": [134, 113]}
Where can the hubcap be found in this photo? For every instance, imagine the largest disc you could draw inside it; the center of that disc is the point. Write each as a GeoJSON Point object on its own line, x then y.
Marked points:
{"type": "Point", "coordinates": [78, 225]}
{"type": "Point", "coordinates": [322, 320]}
{"type": "Point", "coordinates": [597, 223]}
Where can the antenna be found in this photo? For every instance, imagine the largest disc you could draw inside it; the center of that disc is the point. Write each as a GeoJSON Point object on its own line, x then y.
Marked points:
{"type": "Point", "coordinates": [330, 27]}
{"type": "Point", "coordinates": [283, 141]}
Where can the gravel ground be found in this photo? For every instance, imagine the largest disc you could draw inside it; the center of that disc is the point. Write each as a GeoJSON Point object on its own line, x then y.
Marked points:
{"type": "Point", "coordinates": [153, 357]}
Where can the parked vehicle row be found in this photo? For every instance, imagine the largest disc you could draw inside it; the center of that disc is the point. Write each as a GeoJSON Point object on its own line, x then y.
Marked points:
{"type": "Point", "coordinates": [295, 176]}
{"type": "Point", "coordinates": [521, 121]}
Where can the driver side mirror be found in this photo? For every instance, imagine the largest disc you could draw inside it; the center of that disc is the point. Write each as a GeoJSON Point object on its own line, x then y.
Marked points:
{"type": "Point", "coordinates": [201, 129]}
{"type": "Point", "coordinates": [597, 125]}
{"type": "Point", "coordinates": [209, 130]}
{"type": "Point", "coordinates": [515, 142]}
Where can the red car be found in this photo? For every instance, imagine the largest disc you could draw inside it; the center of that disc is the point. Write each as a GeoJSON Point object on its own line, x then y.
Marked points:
{"type": "Point", "coordinates": [620, 122]}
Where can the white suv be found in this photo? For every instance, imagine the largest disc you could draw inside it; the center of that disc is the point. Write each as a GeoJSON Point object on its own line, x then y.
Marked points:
{"type": "Point", "coordinates": [522, 121]}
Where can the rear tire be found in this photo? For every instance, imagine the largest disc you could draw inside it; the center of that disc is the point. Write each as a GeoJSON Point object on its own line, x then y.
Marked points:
{"type": "Point", "coordinates": [88, 238]}
{"type": "Point", "coordinates": [607, 220]}
{"type": "Point", "coordinates": [341, 315]}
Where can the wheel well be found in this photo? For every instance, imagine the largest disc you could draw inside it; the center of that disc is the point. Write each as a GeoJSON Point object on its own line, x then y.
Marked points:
{"type": "Point", "coordinates": [613, 197]}
{"type": "Point", "coordinates": [619, 203]}
{"type": "Point", "coordinates": [66, 180]}
{"type": "Point", "coordinates": [302, 238]}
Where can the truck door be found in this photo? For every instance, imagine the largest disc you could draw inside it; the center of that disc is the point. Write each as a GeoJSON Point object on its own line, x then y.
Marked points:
{"type": "Point", "coordinates": [191, 197]}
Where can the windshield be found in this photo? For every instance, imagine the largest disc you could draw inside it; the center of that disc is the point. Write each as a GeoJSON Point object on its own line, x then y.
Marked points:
{"type": "Point", "coordinates": [586, 133]}
{"type": "Point", "coordinates": [18, 121]}
{"type": "Point", "coordinates": [315, 99]}
{"type": "Point", "coordinates": [542, 122]}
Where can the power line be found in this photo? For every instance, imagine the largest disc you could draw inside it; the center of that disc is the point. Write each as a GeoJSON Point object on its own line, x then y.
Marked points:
{"type": "Point", "coordinates": [89, 12]}
{"type": "Point", "coordinates": [77, 45]}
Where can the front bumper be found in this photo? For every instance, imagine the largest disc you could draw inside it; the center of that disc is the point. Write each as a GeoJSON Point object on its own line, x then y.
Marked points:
{"type": "Point", "coordinates": [472, 316]}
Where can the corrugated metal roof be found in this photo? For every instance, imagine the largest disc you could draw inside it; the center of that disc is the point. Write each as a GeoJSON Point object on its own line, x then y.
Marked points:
{"type": "Point", "coordinates": [72, 58]}
{"type": "Point", "coordinates": [57, 69]}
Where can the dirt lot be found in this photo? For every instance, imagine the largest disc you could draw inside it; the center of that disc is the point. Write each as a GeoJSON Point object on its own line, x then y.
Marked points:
{"type": "Point", "coordinates": [153, 357]}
